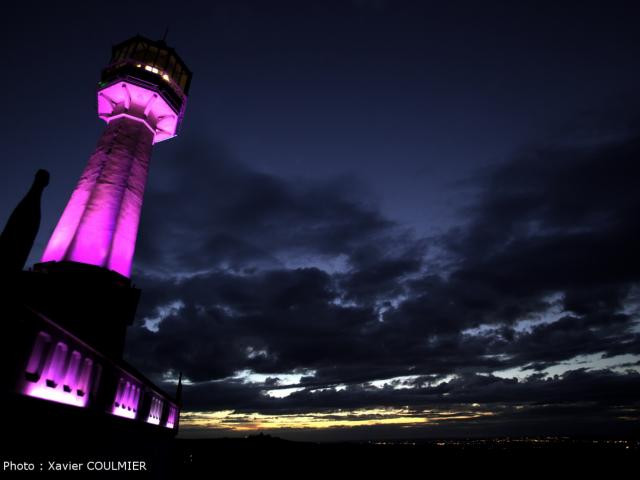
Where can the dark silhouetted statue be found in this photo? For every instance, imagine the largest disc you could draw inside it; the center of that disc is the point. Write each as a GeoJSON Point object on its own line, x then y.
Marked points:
{"type": "Point", "coordinates": [22, 227]}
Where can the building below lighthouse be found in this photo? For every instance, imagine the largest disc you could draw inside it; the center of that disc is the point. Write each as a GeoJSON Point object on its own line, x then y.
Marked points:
{"type": "Point", "coordinates": [64, 376]}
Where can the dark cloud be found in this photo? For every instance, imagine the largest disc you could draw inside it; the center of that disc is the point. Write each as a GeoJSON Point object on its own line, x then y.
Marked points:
{"type": "Point", "coordinates": [282, 276]}
{"type": "Point", "coordinates": [557, 219]}
{"type": "Point", "coordinates": [602, 387]}
{"type": "Point", "coordinates": [208, 211]}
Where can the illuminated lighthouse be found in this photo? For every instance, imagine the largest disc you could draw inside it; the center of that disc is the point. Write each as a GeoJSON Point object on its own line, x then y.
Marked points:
{"type": "Point", "coordinates": [65, 377]}
{"type": "Point", "coordinates": [83, 281]}
{"type": "Point", "coordinates": [142, 97]}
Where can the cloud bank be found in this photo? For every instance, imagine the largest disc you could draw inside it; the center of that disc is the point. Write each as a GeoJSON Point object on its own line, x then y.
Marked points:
{"type": "Point", "coordinates": [281, 296]}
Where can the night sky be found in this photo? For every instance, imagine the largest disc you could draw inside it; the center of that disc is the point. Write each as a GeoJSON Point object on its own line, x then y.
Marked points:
{"type": "Point", "coordinates": [380, 219]}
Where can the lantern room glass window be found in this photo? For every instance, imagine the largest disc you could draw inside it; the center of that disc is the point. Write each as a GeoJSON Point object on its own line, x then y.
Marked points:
{"type": "Point", "coordinates": [155, 57]}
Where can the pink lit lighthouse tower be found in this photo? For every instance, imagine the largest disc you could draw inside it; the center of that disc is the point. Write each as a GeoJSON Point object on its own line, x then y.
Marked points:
{"type": "Point", "coordinates": [142, 97]}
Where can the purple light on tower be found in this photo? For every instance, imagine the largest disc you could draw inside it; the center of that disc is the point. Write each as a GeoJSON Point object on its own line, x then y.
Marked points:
{"type": "Point", "coordinates": [155, 411]}
{"type": "Point", "coordinates": [171, 418]}
{"type": "Point", "coordinates": [127, 398]}
{"type": "Point", "coordinates": [142, 97]}
{"type": "Point", "coordinates": [58, 372]}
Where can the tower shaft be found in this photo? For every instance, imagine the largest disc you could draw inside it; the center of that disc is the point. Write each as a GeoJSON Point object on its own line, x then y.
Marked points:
{"type": "Point", "coordinates": [100, 223]}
